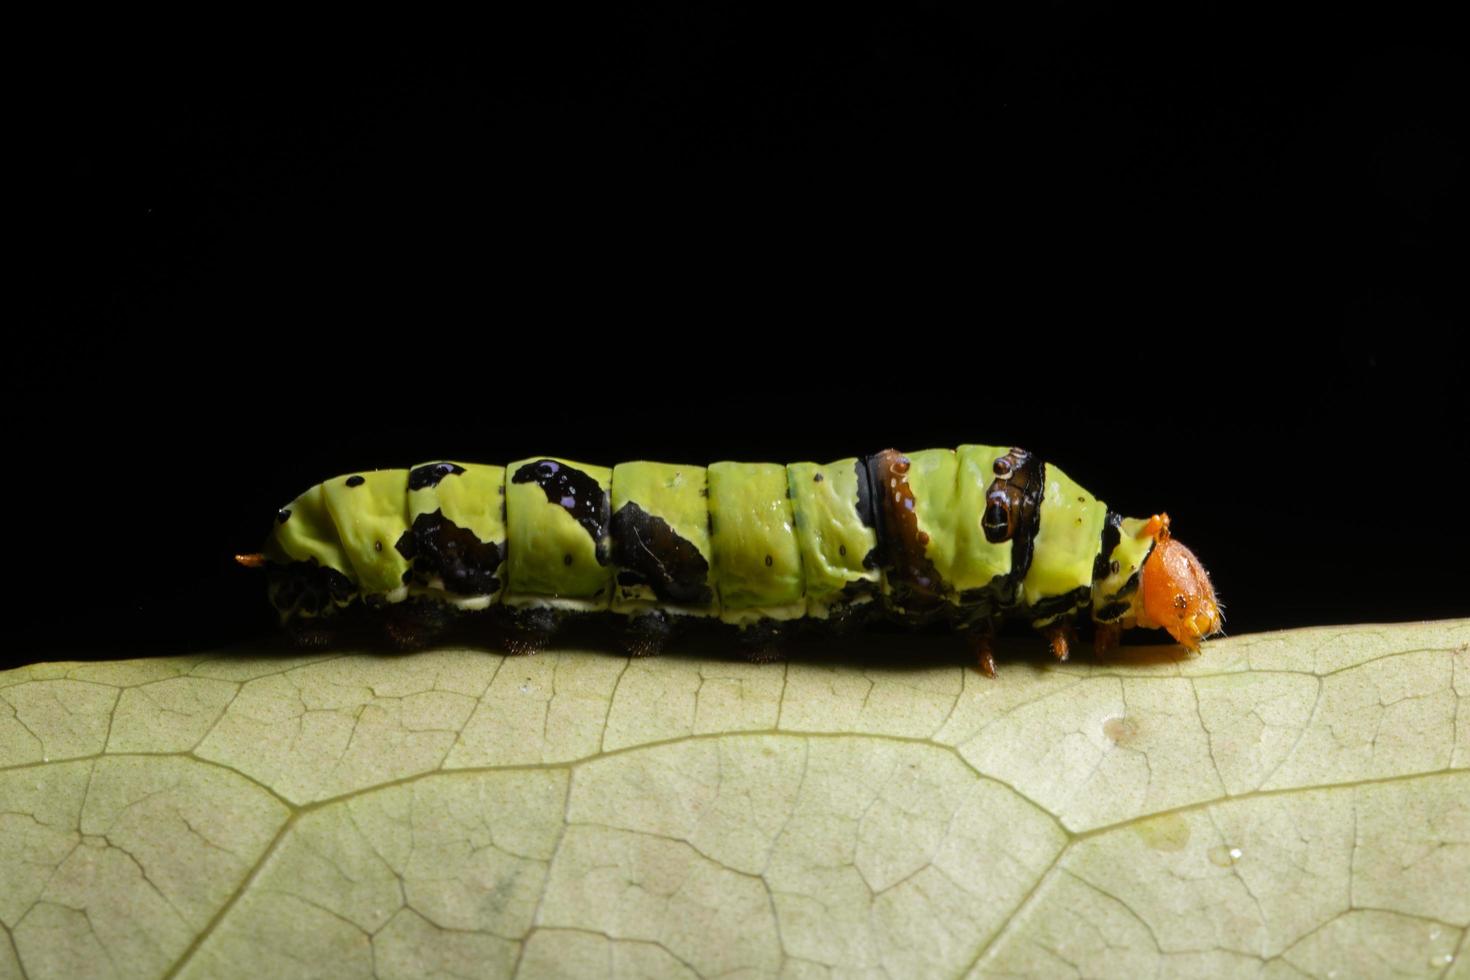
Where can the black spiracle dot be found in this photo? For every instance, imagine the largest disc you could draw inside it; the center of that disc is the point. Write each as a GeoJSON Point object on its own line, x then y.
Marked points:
{"type": "Point", "coordinates": [377, 546]}
{"type": "Point", "coordinates": [842, 550]}
{"type": "Point", "coordinates": [566, 559]}
{"type": "Point", "coordinates": [817, 478]}
{"type": "Point", "coordinates": [355, 481]}
{"type": "Point", "coordinates": [770, 561]}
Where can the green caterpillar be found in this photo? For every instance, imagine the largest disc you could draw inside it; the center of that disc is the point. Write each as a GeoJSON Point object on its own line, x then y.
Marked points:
{"type": "Point", "coordinates": [964, 537]}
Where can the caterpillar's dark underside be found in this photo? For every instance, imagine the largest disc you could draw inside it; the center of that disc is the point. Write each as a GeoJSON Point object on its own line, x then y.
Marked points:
{"type": "Point", "coordinates": [960, 537]}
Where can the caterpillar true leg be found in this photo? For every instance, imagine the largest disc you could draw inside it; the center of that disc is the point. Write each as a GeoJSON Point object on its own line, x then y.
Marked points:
{"type": "Point", "coordinates": [1105, 638]}
{"type": "Point", "coordinates": [1060, 636]}
{"type": "Point", "coordinates": [983, 639]}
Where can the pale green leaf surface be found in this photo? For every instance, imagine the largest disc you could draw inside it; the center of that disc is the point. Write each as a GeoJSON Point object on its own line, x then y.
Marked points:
{"type": "Point", "coordinates": [1284, 805]}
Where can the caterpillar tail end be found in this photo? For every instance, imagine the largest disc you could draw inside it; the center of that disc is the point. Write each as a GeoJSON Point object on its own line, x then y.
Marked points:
{"type": "Point", "coordinates": [256, 560]}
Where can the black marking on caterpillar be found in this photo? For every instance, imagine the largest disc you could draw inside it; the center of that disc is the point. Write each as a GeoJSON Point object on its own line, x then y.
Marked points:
{"type": "Point", "coordinates": [429, 476]}
{"type": "Point", "coordinates": [1013, 506]}
{"type": "Point", "coordinates": [440, 549]}
{"type": "Point", "coordinates": [651, 552]}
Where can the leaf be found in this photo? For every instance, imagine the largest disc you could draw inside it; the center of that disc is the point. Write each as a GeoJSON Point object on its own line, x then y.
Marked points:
{"type": "Point", "coordinates": [1285, 804]}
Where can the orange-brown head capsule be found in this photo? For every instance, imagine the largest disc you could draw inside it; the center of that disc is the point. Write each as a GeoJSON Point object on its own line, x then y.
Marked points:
{"type": "Point", "coordinates": [1177, 594]}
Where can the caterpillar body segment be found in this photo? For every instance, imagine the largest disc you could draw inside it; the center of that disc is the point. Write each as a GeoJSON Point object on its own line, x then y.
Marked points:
{"type": "Point", "coordinates": [557, 531]}
{"type": "Point", "coordinates": [662, 526]}
{"type": "Point", "coordinates": [834, 526]}
{"type": "Point", "coordinates": [963, 537]}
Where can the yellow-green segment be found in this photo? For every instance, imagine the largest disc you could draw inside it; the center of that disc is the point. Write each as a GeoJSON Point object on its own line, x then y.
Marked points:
{"type": "Point", "coordinates": [1067, 543]}
{"type": "Point", "coordinates": [1120, 582]}
{"type": "Point", "coordinates": [757, 559]}
{"type": "Point", "coordinates": [551, 556]}
{"type": "Point", "coordinates": [472, 499]}
{"type": "Point", "coordinates": [677, 495]}
{"type": "Point", "coordinates": [977, 563]}
{"type": "Point", "coordinates": [371, 513]}
{"type": "Point", "coordinates": [838, 550]}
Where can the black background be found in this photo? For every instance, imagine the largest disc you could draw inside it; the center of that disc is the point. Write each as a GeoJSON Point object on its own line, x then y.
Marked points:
{"type": "Point", "coordinates": [1201, 260]}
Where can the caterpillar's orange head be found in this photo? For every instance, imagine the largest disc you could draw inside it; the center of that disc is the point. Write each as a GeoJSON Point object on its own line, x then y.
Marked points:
{"type": "Point", "coordinates": [1176, 590]}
